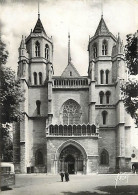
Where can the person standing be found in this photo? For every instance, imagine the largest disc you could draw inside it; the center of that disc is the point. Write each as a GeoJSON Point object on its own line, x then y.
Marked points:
{"type": "Point", "coordinates": [62, 176]}
{"type": "Point", "coordinates": [67, 176]}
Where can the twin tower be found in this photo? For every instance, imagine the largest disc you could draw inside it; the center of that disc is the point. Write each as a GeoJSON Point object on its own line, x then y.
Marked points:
{"type": "Point", "coordinates": [71, 121]}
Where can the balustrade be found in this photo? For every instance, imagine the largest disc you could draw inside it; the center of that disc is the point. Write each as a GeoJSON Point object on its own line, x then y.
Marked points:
{"type": "Point", "coordinates": [58, 83]}
{"type": "Point", "coordinates": [72, 130]}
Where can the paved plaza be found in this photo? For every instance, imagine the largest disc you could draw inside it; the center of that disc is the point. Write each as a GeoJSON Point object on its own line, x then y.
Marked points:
{"type": "Point", "coordinates": [42, 184]}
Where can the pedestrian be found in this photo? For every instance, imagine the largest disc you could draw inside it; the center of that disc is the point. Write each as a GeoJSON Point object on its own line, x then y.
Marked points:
{"type": "Point", "coordinates": [62, 176]}
{"type": "Point", "coordinates": [66, 176]}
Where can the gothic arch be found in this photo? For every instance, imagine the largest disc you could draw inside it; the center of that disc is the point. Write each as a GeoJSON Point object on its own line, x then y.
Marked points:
{"type": "Point", "coordinates": [104, 47]}
{"type": "Point", "coordinates": [104, 157]}
{"type": "Point", "coordinates": [47, 51]}
{"type": "Point", "coordinates": [39, 157]}
{"type": "Point", "coordinates": [70, 112]}
{"type": "Point", "coordinates": [73, 143]}
{"type": "Point", "coordinates": [95, 50]}
{"type": "Point", "coordinates": [37, 49]}
{"type": "Point", "coordinates": [101, 76]}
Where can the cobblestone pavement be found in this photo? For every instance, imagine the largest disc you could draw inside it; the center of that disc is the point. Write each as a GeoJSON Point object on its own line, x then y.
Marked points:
{"type": "Point", "coordinates": [42, 184]}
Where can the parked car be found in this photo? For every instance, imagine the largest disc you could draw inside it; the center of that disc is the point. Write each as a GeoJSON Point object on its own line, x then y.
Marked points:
{"type": "Point", "coordinates": [7, 174]}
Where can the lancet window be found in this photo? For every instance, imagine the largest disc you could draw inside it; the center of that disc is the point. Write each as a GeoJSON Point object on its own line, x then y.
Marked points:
{"type": "Point", "coordinates": [47, 51]}
{"type": "Point", "coordinates": [104, 48]}
{"type": "Point", "coordinates": [37, 49]}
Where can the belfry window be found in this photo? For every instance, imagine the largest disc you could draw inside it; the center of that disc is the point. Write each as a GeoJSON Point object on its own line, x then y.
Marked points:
{"type": "Point", "coordinates": [95, 50]}
{"type": "Point", "coordinates": [104, 158]}
{"type": "Point", "coordinates": [104, 48]}
{"type": "Point", "coordinates": [71, 112]}
{"type": "Point", "coordinates": [101, 94]}
{"type": "Point", "coordinates": [102, 76]}
{"type": "Point", "coordinates": [40, 78]}
{"type": "Point", "coordinates": [38, 103]}
{"type": "Point", "coordinates": [47, 51]}
{"type": "Point", "coordinates": [107, 76]}
{"type": "Point", "coordinates": [35, 78]}
{"type": "Point", "coordinates": [104, 115]}
{"type": "Point", "coordinates": [37, 49]}
{"type": "Point", "coordinates": [107, 96]}
{"type": "Point", "coordinates": [39, 158]}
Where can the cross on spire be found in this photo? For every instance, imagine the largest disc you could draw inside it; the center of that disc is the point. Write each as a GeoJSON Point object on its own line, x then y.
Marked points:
{"type": "Point", "coordinates": [101, 9]}
{"type": "Point", "coordinates": [69, 54]}
{"type": "Point", "coordinates": [38, 10]}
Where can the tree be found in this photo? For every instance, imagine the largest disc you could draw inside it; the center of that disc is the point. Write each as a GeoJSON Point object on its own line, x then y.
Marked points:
{"type": "Point", "coordinates": [131, 87]}
{"type": "Point", "coordinates": [11, 96]}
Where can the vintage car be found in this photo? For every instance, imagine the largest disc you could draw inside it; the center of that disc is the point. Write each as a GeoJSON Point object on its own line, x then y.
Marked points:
{"type": "Point", "coordinates": [7, 174]}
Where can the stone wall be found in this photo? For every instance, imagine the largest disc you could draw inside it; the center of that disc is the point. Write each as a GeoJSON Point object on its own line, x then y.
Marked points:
{"type": "Point", "coordinates": [107, 141]}
{"type": "Point", "coordinates": [88, 146]}
{"type": "Point", "coordinates": [61, 96]}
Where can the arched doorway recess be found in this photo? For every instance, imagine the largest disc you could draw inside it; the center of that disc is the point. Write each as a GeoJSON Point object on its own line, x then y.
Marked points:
{"type": "Point", "coordinates": [72, 160]}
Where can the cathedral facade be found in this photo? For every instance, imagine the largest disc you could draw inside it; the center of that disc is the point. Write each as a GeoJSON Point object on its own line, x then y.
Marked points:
{"type": "Point", "coordinates": [72, 122]}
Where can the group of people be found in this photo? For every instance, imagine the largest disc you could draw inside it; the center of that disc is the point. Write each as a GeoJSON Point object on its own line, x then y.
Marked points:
{"type": "Point", "coordinates": [66, 174]}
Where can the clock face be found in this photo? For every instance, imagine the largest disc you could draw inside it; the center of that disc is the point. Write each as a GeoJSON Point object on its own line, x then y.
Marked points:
{"type": "Point", "coordinates": [133, 155]}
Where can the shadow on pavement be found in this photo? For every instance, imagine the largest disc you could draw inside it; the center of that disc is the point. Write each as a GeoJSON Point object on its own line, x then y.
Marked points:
{"type": "Point", "coordinates": [5, 188]}
{"type": "Point", "coordinates": [81, 193]}
{"type": "Point", "coordinates": [122, 190]}
{"type": "Point", "coordinates": [126, 189]}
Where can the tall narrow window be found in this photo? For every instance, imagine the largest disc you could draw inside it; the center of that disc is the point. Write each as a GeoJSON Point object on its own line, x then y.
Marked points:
{"type": "Point", "coordinates": [47, 51]}
{"type": "Point", "coordinates": [95, 50]}
{"type": "Point", "coordinates": [107, 76]}
{"type": "Point", "coordinates": [102, 76]}
{"type": "Point", "coordinates": [101, 97]}
{"type": "Point", "coordinates": [104, 114]}
{"type": "Point", "coordinates": [37, 49]}
{"type": "Point", "coordinates": [39, 158]}
{"type": "Point", "coordinates": [108, 97]}
{"type": "Point", "coordinates": [40, 78]}
{"type": "Point", "coordinates": [38, 103]}
{"type": "Point", "coordinates": [104, 158]}
{"type": "Point", "coordinates": [104, 48]}
{"type": "Point", "coordinates": [35, 78]}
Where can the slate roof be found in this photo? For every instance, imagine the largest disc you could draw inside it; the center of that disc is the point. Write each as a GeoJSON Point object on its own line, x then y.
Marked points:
{"type": "Point", "coordinates": [102, 29]}
{"type": "Point", "coordinates": [70, 68]}
{"type": "Point", "coordinates": [39, 27]}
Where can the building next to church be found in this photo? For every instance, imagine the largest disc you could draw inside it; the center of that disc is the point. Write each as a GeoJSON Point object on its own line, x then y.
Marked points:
{"type": "Point", "coordinates": [72, 122]}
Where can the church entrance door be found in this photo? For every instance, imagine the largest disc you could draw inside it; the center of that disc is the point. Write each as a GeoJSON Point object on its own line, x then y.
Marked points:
{"type": "Point", "coordinates": [70, 164]}
{"type": "Point", "coordinates": [71, 160]}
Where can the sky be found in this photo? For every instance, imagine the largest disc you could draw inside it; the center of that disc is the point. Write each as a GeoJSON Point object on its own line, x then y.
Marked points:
{"type": "Point", "coordinates": [79, 17]}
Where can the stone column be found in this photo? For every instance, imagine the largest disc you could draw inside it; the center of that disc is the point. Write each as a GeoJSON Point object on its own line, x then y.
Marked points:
{"type": "Point", "coordinates": [92, 95]}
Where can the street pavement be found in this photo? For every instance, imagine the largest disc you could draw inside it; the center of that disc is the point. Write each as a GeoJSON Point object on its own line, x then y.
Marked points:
{"type": "Point", "coordinates": [42, 184]}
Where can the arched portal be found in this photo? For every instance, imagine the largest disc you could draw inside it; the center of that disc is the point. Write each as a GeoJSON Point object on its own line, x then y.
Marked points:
{"type": "Point", "coordinates": [71, 157]}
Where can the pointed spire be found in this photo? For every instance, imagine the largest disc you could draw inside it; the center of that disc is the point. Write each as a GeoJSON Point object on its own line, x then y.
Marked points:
{"type": "Point", "coordinates": [39, 27]}
{"type": "Point", "coordinates": [102, 29]}
{"type": "Point", "coordinates": [69, 54]}
{"type": "Point", "coordinates": [119, 39]}
{"type": "Point", "coordinates": [22, 45]}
